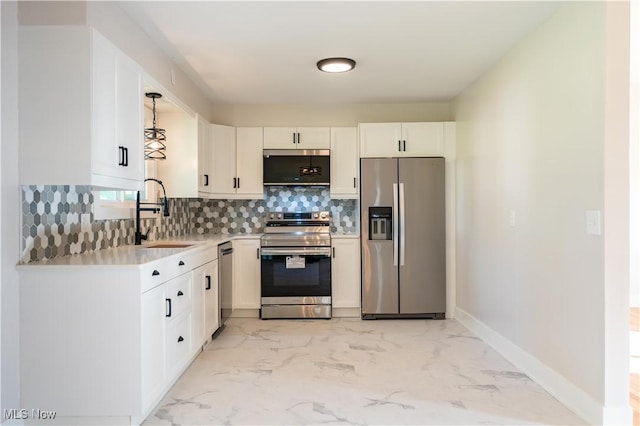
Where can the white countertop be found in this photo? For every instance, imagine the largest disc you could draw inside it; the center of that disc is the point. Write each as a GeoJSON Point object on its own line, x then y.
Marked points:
{"type": "Point", "coordinates": [132, 255]}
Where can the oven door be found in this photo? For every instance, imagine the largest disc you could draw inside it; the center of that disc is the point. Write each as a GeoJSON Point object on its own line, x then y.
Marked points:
{"type": "Point", "coordinates": [295, 272]}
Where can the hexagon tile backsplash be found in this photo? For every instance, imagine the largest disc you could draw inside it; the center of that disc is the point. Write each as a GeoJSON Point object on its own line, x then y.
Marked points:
{"type": "Point", "coordinates": [51, 218]}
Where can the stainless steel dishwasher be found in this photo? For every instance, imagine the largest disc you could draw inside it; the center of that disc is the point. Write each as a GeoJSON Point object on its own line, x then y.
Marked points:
{"type": "Point", "coordinates": [225, 278]}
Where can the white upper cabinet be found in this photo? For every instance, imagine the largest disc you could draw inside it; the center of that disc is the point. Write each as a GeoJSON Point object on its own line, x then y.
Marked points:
{"type": "Point", "coordinates": [223, 146]}
{"type": "Point", "coordinates": [297, 138]}
{"type": "Point", "coordinates": [81, 110]}
{"type": "Point", "coordinates": [249, 142]}
{"type": "Point", "coordinates": [236, 162]}
{"type": "Point", "coordinates": [204, 155]}
{"type": "Point", "coordinates": [401, 139]}
{"type": "Point", "coordinates": [344, 162]}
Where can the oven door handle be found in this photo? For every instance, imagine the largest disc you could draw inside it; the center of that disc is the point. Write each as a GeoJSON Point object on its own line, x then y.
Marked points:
{"type": "Point", "coordinates": [297, 251]}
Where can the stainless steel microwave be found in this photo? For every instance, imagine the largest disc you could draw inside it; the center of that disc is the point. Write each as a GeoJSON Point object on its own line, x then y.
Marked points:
{"type": "Point", "coordinates": [293, 167]}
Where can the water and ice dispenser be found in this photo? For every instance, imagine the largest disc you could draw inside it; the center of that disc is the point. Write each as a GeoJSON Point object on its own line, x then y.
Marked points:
{"type": "Point", "coordinates": [380, 223]}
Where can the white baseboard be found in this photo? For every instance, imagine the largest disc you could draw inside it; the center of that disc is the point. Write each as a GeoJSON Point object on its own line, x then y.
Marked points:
{"type": "Point", "coordinates": [562, 389]}
{"type": "Point", "coordinates": [345, 312]}
{"type": "Point", "coordinates": [246, 313]}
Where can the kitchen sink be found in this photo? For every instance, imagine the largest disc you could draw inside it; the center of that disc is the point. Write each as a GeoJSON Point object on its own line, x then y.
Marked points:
{"type": "Point", "coordinates": [169, 245]}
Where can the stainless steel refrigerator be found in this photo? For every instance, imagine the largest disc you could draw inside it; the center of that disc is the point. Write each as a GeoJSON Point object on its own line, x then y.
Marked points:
{"type": "Point", "coordinates": [402, 209]}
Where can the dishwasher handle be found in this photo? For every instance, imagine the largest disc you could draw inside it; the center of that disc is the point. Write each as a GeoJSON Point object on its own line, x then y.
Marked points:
{"type": "Point", "coordinates": [226, 251]}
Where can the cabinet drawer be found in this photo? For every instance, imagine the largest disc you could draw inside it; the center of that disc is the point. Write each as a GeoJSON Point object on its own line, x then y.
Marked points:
{"type": "Point", "coordinates": [158, 272]}
{"type": "Point", "coordinates": [178, 296]}
{"type": "Point", "coordinates": [178, 343]}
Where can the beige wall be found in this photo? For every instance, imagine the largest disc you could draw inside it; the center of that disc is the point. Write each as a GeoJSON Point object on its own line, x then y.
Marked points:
{"type": "Point", "coordinates": [327, 115]}
{"type": "Point", "coordinates": [9, 211]}
{"type": "Point", "coordinates": [531, 145]}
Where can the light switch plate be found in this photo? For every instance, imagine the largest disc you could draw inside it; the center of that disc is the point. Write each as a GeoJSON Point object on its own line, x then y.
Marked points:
{"type": "Point", "coordinates": [593, 222]}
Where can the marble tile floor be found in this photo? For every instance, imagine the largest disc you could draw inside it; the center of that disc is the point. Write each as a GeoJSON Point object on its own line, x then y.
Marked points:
{"type": "Point", "coordinates": [349, 371]}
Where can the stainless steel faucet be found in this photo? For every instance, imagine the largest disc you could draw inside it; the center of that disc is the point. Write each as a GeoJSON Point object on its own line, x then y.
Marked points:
{"type": "Point", "coordinates": [164, 204]}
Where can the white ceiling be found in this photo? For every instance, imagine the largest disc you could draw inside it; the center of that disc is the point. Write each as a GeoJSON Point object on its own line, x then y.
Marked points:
{"type": "Point", "coordinates": [265, 52]}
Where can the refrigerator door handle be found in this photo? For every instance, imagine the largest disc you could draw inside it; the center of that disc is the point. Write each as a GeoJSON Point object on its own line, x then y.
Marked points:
{"type": "Point", "coordinates": [395, 224]}
{"type": "Point", "coordinates": [401, 225]}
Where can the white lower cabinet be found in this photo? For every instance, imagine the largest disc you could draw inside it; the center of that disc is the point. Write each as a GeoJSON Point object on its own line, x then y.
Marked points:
{"type": "Point", "coordinates": [115, 339]}
{"type": "Point", "coordinates": [345, 273]}
{"type": "Point", "coordinates": [153, 329]}
{"type": "Point", "coordinates": [246, 274]}
{"type": "Point", "coordinates": [205, 318]}
{"type": "Point", "coordinates": [178, 343]}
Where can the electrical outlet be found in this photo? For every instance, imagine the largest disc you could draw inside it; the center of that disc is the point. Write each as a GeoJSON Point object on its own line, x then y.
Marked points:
{"type": "Point", "coordinates": [593, 222]}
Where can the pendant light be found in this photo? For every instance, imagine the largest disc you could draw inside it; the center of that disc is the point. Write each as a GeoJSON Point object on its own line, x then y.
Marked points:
{"type": "Point", "coordinates": [154, 138]}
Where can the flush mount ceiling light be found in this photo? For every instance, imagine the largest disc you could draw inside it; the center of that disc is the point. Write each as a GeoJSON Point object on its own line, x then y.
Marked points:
{"type": "Point", "coordinates": [336, 64]}
{"type": "Point", "coordinates": [154, 138]}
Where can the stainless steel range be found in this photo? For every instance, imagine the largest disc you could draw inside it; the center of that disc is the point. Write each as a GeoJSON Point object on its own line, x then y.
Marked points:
{"type": "Point", "coordinates": [296, 265]}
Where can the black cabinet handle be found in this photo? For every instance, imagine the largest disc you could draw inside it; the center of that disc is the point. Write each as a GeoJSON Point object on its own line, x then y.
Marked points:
{"type": "Point", "coordinates": [354, 182]}
{"type": "Point", "coordinates": [238, 182]}
{"type": "Point", "coordinates": [208, 286]}
{"type": "Point", "coordinates": [257, 253]}
{"type": "Point", "coordinates": [235, 183]}
{"type": "Point", "coordinates": [180, 293]}
{"type": "Point", "coordinates": [399, 145]}
{"type": "Point", "coordinates": [404, 145]}
{"type": "Point", "coordinates": [120, 156]}
{"type": "Point", "coordinates": [155, 273]}
{"type": "Point", "coordinates": [294, 138]}
{"type": "Point", "coordinates": [126, 157]}
{"type": "Point", "coordinates": [181, 263]}
{"type": "Point", "coordinates": [298, 137]}
{"type": "Point", "coordinates": [206, 180]}
{"type": "Point", "coordinates": [168, 314]}
{"type": "Point", "coordinates": [333, 250]}
{"type": "Point", "coordinates": [180, 339]}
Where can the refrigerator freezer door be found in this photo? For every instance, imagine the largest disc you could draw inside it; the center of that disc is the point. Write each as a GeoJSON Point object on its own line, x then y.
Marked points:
{"type": "Point", "coordinates": [422, 248]}
{"type": "Point", "coordinates": [379, 276]}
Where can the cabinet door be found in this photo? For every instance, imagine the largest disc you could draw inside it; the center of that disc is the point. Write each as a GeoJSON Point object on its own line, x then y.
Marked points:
{"type": "Point", "coordinates": [106, 155]}
{"type": "Point", "coordinates": [423, 139]}
{"type": "Point", "coordinates": [280, 138]}
{"type": "Point", "coordinates": [249, 162]}
{"type": "Point", "coordinates": [314, 137]}
{"type": "Point", "coordinates": [205, 313]}
{"type": "Point", "coordinates": [345, 273]}
{"type": "Point", "coordinates": [223, 145]}
{"type": "Point", "coordinates": [204, 155]}
{"type": "Point", "coordinates": [197, 307]}
{"type": "Point", "coordinates": [344, 162]}
{"type": "Point", "coordinates": [211, 299]}
{"type": "Point", "coordinates": [153, 311]}
{"type": "Point", "coordinates": [130, 117]}
{"type": "Point", "coordinates": [246, 273]}
{"type": "Point", "coordinates": [380, 139]}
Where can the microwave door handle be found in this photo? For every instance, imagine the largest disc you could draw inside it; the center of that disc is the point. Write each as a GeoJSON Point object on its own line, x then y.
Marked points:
{"type": "Point", "coordinates": [395, 224]}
